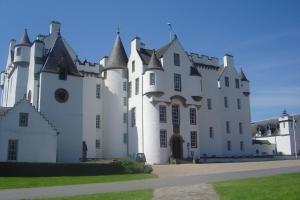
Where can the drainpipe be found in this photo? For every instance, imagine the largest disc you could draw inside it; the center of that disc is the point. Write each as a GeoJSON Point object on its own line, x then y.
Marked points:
{"type": "Point", "coordinates": [127, 111]}
{"type": "Point", "coordinates": [143, 113]}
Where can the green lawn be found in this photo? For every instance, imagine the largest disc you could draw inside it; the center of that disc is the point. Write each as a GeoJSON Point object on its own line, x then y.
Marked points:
{"type": "Point", "coordinates": [29, 182]}
{"type": "Point", "coordinates": [279, 187]}
{"type": "Point", "coordinates": [131, 195]}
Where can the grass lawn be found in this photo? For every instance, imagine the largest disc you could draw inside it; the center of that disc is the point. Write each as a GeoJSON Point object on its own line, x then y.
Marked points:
{"type": "Point", "coordinates": [286, 186]}
{"type": "Point", "coordinates": [131, 195]}
{"type": "Point", "coordinates": [29, 182]}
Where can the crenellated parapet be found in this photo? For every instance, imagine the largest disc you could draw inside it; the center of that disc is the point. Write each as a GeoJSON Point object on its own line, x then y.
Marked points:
{"type": "Point", "coordinates": [204, 59]}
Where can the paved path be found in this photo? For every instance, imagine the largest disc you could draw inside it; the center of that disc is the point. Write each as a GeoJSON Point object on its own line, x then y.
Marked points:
{"type": "Point", "coordinates": [193, 192]}
{"type": "Point", "coordinates": [72, 190]}
{"type": "Point", "coordinates": [198, 169]}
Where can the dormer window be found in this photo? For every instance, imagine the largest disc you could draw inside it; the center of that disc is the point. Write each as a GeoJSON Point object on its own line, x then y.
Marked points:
{"type": "Point", "coordinates": [19, 51]}
{"type": "Point", "coordinates": [176, 59]}
{"type": "Point", "coordinates": [62, 73]}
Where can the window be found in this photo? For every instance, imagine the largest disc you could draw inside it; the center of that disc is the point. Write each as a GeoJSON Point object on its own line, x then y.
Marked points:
{"type": "Point", "coordinates": [162, 114]}
{"type": "Point", "coordinates": [283, 124]}
{"type": "Point", "coordinates": [163, 139]}
{"type": "Point", "coordinates": [241, 145]}
{"type": "Point", "coordinates": [124, 117]}
{"type": "Point", "coordinates": [136, 86]}
{"type": "Point", "coordinates": [193, 116]}
{"type": "Point", "coordinates": [227, 127]}
{"type": "Point", "coordinates": [19, 51]}
{"type": "Point", "coordinates": [133, 117]}
{"type": "Point", "coordinates": [124, 101]}
{"type": "Point", "coordinates": [105, 75]}
{"type": "Point", "coordinates": [12, 151]}
{"type": "Point", "coordinates": [129, 89]}
{"type": "Point", "coordinates": [237, 83]}
{"type": "Point", "coordinates": [238, 101]}
{"type": "Point", "coordinates": [98, 144]}
{"type": "Point", "coordinates": [125, 138]}
{"type": "Point", "coordinates": [176, 59]}
{"type": "Point", "coordinates": [209, 104]}
{"type": "Point", "coordinates": [175, 114]}
{"type": "Point", "coordinates": [211, 132]}
{"type": "Point", "coordinates": [225, 102]}
{"type": "Point", "coordinates": [98, 91]}
{"type": "Point", "coordinates": [125, 73]}
{"type": "Point", "coordinates": [177, 82]}
{"type": "Point", "coordinates": [240, 128]}
{"type": "Point", "coordinates": [61, 95]}
{"type": "Point", "coordinates": [133, 66]}
{"type": "Point", "coordinates": [226, 81]}
{"type": "Point", "coordinates": [62, 73]}
{"type": "Point", "coordinates": [193, 139]}
{"type": "Point", "coordinates": [23, 119]}
{"type": "Point", "coordinates": [124, 86]}
{"type": "Point", "coordinates": [228, 145]}
{"type": "Point", "coordinates": [97, 121]}
{"type": "Point", "coordinates": [152, 79]}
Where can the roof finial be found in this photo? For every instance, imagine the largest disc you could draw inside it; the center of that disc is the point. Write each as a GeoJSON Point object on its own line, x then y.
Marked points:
{"type": "Point", "coordinates": [170, 30]}
{"type": "Point", "coordinates": [118, 30]}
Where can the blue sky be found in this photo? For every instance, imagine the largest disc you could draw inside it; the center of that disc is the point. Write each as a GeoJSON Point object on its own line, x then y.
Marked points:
{"type": "Point", "coordinates": [263, 36]}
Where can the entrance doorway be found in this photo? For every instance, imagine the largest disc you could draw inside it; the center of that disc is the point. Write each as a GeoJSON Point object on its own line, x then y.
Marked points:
{"type": "Point", "coordinates": [176, 146]}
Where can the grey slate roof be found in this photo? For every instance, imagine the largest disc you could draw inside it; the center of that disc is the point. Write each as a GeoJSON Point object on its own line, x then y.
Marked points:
{"type": "Point", "coordinates": [243, 76]}
{"type": "Point", "coordinates": [118, 56]}
{"type": "Point", "coordinates": [194, 71]}
{"type": "Point", "coordinates": [25, 39]}
{"type": "Point", "coordinates": [154, 63]}
{"type": "Point", "coordinates": [59, 57]}
{"type": "Point", "coordinates": [146, 54]}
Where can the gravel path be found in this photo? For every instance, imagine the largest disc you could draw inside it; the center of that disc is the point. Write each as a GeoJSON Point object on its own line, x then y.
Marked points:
{"type": "Point", "coordinates": [193, 192]}
{"type": "Point", "coordinates": [209, 168]}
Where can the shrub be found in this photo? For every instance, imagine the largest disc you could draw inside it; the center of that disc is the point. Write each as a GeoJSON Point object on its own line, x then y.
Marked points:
{"type": "Point", "coordinates": [132, 166]}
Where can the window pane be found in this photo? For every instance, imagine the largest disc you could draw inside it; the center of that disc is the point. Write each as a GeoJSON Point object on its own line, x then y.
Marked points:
{"type": "Point", "coordinates": [177, 82]}
{"type": "Point", "coordinates": [237, 83]}
{"type": "Point", "coordinates": [225, 102]}
{"type": "Point", "coordinates": [175, 114]}
{"type": "Point", "coordinates": [193, 116]}
{"type": "Point", "coordinates": [12, 150]}
{"type": "Point", "coordinates": [228, 145]}
{"type": "Point", "coordinates": [129, 89]}
{"type": "Point", "coordinates": [97, 121]}
{"type": "Point", "coordinates": [226, 81]}
{"type": "Point", "coordinates": [194, 139]}
{"type": "Point", "coordinates": [227, 127]}
{"type": "Point", "coordinates": [211, 132]}
{"type": "Point", "coordinates": [98, 91]}
{"type": "Point", "coordinates": [23, 119]}
{"type": "Point", "coordinates": [133, 66]}
{"type": "Point", "coordinates": [124, 86]}
{"type": "Point", "coordinates": [152, 79]}
{"type": "Point", "coordinates": [162, 114]}
{"type": "Point", "coordinates": [136, 86]}
{"type": "Point", "coordinates": [209, 106]}
{"type": "Point", "coordinates": [176, 59]}
{"type": "Point", "coordinates": [163, 138]}
{"type": "Point", "coordinates": [133, 117]}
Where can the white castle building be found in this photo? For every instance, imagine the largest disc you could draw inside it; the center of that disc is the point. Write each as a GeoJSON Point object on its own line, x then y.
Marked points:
{"type": "Point", "coordinates": [277, 136]}
{"type": "Point", "coordinates": [162, 102]}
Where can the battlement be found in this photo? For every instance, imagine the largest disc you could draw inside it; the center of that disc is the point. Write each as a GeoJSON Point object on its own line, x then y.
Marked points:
{"type": "Point", "coordinates": [204, 59]}
{"type": "Point", "coordinates": [87, 66]}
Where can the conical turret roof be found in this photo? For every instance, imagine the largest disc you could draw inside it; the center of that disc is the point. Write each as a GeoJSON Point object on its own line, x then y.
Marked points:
{"type": "Point", "coordinates": [118, 56]}
{"type": "Point", "coordinates": [154, 63]}
{"type": "Point", "coordinates": [25, 39]}
{"type": "Point", "coordinates": [243, 76]}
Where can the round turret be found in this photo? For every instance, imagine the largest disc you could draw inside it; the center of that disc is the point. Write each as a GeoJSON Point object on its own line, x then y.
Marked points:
{"type": "Point", "coordinates": [153, 76]}
{"type": "Point", "coordinates": [22, 49]}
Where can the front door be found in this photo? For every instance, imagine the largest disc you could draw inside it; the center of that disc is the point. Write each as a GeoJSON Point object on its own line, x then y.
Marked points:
{"type": "Point", "coordinates": [176, 146]}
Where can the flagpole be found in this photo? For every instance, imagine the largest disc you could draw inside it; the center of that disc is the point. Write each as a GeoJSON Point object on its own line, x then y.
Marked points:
{"type": "Point", "coordinates": [295, 142]}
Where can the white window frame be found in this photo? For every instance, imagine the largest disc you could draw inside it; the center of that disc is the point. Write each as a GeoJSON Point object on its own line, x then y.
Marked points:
{"type": "Point", "coordinates": [194, 140]}
{"type": "Point", "coordinates": [98, 121]}
{"type": "Point", "coordinates": [162, 114]}
{"type": "Point", "coordinates": [23, 119]}
{"type": "Point", "coordinates": [152, 78]}
{"type": "Point", "coordinates": [98, 91]}
{"type": "Point", "coordinates": [193, 116]}
{"type": "Point", "coordinates": [163, 138]}
{"type": "Point", "coordinates": [12, 150]}
{"type": "Point", "coordinates": [176, 114]}
{"type": "Point", "coordinates": [177, 82]}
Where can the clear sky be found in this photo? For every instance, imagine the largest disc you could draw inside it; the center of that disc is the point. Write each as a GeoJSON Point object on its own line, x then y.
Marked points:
{"type": "Point", "coordinates": [263, 36]}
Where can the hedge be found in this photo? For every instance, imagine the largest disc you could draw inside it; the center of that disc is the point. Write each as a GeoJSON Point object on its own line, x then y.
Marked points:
{"type": "Point", "coordinates": [10, 169]}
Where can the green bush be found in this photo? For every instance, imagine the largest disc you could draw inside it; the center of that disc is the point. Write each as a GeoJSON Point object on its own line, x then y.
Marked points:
{"type": "Point", "coordinates": [132, 166]}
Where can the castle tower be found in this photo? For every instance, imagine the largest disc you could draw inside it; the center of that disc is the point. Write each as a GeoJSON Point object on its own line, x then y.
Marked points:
{"type": "Point", "coordinates": [285, 123]}
{"type": "Point", "coordinates": [115, 102]}
{"type": "Point", "coordinates": [19, 74]}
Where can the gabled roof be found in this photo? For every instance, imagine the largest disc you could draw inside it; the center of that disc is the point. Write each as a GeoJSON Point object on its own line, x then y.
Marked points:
{"type": "Point", "coordinates": [146, 54]}
{"type": "Point", "coordinates": [59, 57]}
{"type": "Point", "coordinates": [25, 39]}
{"type": "Point", "coordinates": [154, 63]}
{"type": "Point", "coordinates": [194, 71]}
{"type": "Point", "coordinates": [243, 76]}
{"type": "Point", "coordinates": [118, 56]}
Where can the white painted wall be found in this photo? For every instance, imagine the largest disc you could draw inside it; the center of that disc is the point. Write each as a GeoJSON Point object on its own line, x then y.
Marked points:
{"type": "Point", "coordinates": [67, 116]}
{"type": "Point", "coordinates": [37, 142]}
